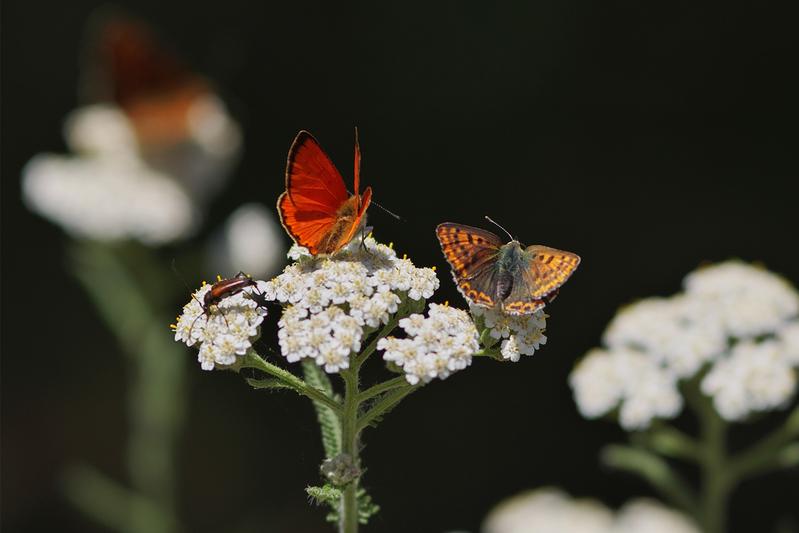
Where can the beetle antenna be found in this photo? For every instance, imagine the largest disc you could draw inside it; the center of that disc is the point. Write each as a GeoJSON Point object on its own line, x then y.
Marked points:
{"type": "Point", "coordinates": [500, 227]}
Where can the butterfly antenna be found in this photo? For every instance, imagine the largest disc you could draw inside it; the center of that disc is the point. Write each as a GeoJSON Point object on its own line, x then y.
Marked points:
{"type": "Point", "coordinates": [500, 227]}
{"type": "Point", "coordinates": [387, 211]}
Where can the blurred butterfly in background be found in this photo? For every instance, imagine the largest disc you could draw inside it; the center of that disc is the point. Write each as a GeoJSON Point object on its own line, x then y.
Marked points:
{"type": "Point", "coordinates": [127, 65]}
{"type": "Point", "coordinates": [317, 210]}
{"type": "Point", "coordinates": [515, 279]}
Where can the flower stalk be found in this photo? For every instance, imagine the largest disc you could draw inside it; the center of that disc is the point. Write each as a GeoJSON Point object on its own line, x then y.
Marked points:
{"type": "Point", "coordinates": [336, 313]}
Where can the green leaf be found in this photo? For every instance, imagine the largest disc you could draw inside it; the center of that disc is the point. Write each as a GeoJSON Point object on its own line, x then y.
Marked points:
{"type": "Point", "coordinates": [326, 494]}
{"type": "Point", "coordinates": [267, 383]}
{"type": "Point", "coordinates": [366, 507]}
{"type": "Point", "coordinates": [329, 423]}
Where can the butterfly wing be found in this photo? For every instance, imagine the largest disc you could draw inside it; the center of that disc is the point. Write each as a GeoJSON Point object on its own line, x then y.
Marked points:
{"type": "Point", "coordinates": [315, 192]}
{"type": "Point", "coordinates": [127, 64]}
{"type": "Point", "coordinates": [472, 254]}
{"type": "Point", "coordinates": [538, 281]}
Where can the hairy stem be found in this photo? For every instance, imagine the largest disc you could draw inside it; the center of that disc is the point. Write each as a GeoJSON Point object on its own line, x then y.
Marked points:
{"type": "Point", "coordinates": [380, 388]}
{"type": "Point", "coordinates": [253, 360]}
{"type": "Point", "coordinates": [385, 404]}
{"type": "Point", "coordinates": [348, 514]}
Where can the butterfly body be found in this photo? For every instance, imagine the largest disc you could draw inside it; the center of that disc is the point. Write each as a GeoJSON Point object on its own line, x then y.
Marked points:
{"type": "Point", "coordinates": [317, 210]}
{"type": "Point", "coordinates": [508, 276]}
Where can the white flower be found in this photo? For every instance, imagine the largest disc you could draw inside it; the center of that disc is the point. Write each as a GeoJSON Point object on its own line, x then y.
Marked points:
{"type": "Point", "coordinates": [645, 515]}
{"type": "Point", "coordinates": [789, 336]}
{"type": "Point", "coordinates": [748, 300]}
{"type": "Point", "coordinates": [224, 331]}
{"type": "Point", "coordinates": [334, 302]}
{"type": "Point", "coordinates": [550, 510]}
{"type": "Point", "coordinates": [107, 198]}
{"type": "Point", "coordinates": [679, 332]}
{"type": "Point", "coordinates": [754, 377]}
{"type": "Point", "coordinates": [521, 334]}
{"type": "Point", "coordinates": [629, 379]}
{"type": "Point", "coordinates": [436, 346]}
{"type": "Point", "coordinates": [119, 185]}
{"type": "Point", "coordinates": [251, 241]}
{"type": "Point", "coordinates": [735, 319]}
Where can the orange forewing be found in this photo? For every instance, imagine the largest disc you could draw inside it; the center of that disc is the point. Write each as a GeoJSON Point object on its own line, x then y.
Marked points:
{"type": "Point", "coordinates": [316, 209]}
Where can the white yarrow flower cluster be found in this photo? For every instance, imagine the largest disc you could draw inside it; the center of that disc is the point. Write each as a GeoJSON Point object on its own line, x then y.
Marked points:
{"type": "Point", "coordinates": [435, 346]}
{"type": "Point", "coordinates": [754, 377]}
{"type": "Point", "coordinates": [335, 302]}
{"type": "Point", "coordinates": [117, 186]}
{"type": "Point", "coordinates": [737, 319]}
{"type": "Point", "coordinates": [225, 332]}
{"type": "Point", "coordinates": [108, 193]}
{"type": "Point", "coordinates": [519, 334]}
{"type": "Point", "coordinates": [631, 379]}
{"type": "Point", "coordinates": [550, 510]}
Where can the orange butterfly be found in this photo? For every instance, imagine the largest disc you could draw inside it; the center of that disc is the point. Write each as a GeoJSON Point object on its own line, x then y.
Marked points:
{"type": "Point", "coordinates": [317, 210]}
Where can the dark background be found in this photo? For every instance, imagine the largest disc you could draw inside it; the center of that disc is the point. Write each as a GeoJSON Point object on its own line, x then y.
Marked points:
{"type": "Point", "coordinates": [647, 137]}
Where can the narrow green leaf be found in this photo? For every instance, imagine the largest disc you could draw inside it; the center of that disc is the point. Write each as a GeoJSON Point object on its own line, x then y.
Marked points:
{"type": "Point", "coordinates": [329, 423]}
{"type": "Point", "coordinates": [267, 383]}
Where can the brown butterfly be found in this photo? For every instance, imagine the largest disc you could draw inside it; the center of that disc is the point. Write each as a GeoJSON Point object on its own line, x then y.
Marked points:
{"type": "Point", "coordinates": [515, 279]}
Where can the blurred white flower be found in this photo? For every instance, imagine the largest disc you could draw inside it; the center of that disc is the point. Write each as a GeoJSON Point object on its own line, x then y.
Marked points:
{"type": "Point", "coordinates": [224, 331]}
{"type": "Point", "coordinates": [629, 379]}
{"type": "Point", "coordinates": [748, 300]}
{"type": "Point", "coordinates": [202, 159]}
{"type": "Point", "coordinates": [116, 186]}
{"type": "Point", "coordinates": [549, 510]}
{"type": "Point", "coordinates": [335, 302]}
{"type": "Point", "coordinates": [735, 319]}
{"type": "Point", "coordinates": [754, 377]}
{"type": "Point", "coordinates": [100, 129]}
{"type": "Point", "coordinates": [643, 515]}
{"type": "Point", "coordinates": [251, 241]}
{"type": "Point", "coordinates": [107, 198]}
{"type": "Point", "coordinates": [789, 337]}
{"type": "Point", "coordinates": [520, 334]}
{"type": "Point", "coordinates": [435, 346]}
{"type": "Point", "coordinates": [679, 332]}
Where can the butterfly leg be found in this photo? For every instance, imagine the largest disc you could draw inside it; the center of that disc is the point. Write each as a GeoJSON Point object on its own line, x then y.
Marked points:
{"type": "Point", "coordinates": [363, 241]}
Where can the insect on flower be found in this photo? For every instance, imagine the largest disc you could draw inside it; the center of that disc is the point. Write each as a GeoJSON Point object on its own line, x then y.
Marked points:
{"type": "Point", "coordinates": [517, 280]}
{"type": "Point", "coordinates": [316, 209]}
{"type": "Point", "coordinates": [224, 288]}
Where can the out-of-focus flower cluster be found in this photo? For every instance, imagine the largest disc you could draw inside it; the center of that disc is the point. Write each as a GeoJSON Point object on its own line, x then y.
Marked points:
{"type": "Point", "coordinates": [735, 325]}
{"type": "Point", "coordinates": [550, 510]}
{"type": "Point", "coordinates": [435, 346]}
{"type": "Point", "coordinates": [519, 334]}
{"type": "Point", "coordinates": [116, 187]}
{"type": "Point", "coordinates": [335, 302]}
{"type": "Point", "coordinates": [225, 331]}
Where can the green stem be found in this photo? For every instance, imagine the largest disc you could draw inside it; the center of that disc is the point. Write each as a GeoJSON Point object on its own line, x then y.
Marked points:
{"type": "Point", "coordinates": [253, 360]}
{"type": "Point", "coordinates": [655, 470]}
{"type": "Point", "coordinates": [713, 462]}
{"type": "Point", "coordinates": [388, 328]}
{"type": "Point", "coordinates": [380, 388]}
{"type": "Point", "coordinates": [113, 278]}
{"type": "Point", "coordinates": [384, 404]}
{"type": "Point", "coordinates": [350, 447]}
{"type": "Point", "coordinates": [768, 453]}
